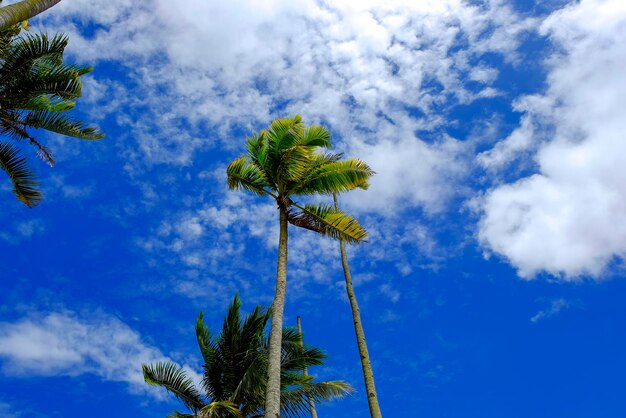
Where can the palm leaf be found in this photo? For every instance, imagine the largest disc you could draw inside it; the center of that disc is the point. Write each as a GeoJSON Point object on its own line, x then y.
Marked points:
{"type": "Point", "coordinates": [244, 175]}
{"type": "Point", "coordinates": [220, 409]}
{"type": "Point", "coordinates": [25, 187]}
{"type": "Point", "coordinates": [173, 378]}
{"type": "Point", "coordinates": [295, 402]}
{"type": "Point", "coordinates": [25, 51]}
{"type": "Point", "coordinates": [328, 221]}
{"type": "Point", "coordinates": [62, 124]}
{"type": "Point", "coordinates": [334, 177]}
{"type": "Point", "coordinates": [316, 136]}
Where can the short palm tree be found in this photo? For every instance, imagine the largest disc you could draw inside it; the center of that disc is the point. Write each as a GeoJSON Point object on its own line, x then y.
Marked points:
{"type": "Point", "coordinates": [24, 10]}
{"type": "Point", "coordinates": [285, 161]}
{"type": "Point", "coordinates": [235, 368]}
{"type": "Point", "coordinates": [36, 90]}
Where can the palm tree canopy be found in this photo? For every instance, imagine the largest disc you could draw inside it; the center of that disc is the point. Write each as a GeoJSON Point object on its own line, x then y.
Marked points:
{"type": "Point", "coordinates": [287, 160]}
{"type": "Point", "coordinates": [37, 89]}
{"type": "Point", "coordinates": [235, 370]}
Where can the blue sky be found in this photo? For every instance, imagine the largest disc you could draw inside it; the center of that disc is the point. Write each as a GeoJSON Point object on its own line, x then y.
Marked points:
{"type": "Point", "coordinates": [492, 284]}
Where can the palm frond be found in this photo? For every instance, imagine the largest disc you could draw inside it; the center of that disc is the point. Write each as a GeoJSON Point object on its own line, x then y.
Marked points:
{"type": "Point", "coordinates": [173, 378]}
{"type": "Point", "coordinates": [62, 124]}
{"type": "Point", "coordinates": [334, 177]}
{"type": "Point", "coordinates": [205, 342]}
{"type": "Point", "coordinates": [294, 402]}
{"type": "Point", "coordinates": [221, 409]}
{"type": "Point", "coordinates": [25, 186]}
{"type": "Point", "coordinates": [316, 136]}
{"type": "Point", "coordinates": [328, 221]}
{"type": "Point", "coordinates": [244, 175]}
{"type": "Point", "coordinates": [53, 104]}
{"type": "Point", "coordinates": [27, 50]}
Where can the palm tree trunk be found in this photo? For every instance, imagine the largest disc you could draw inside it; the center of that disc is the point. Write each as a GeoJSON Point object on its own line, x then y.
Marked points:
{"type": "Point", "coordinates": [272, 393]}
{"type": "Point", "coordinates": [306, 373]}
{"type": "Point", "coordinates": [24, 10]}
{"type": "Point", "coordinates": [368, 373]}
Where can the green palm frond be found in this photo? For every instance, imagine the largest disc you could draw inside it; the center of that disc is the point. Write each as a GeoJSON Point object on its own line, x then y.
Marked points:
{"type": "Point", "coordinates": [328, 221]}
{"type": "Point", "coordinates": [334, 177]}
{"type": "Point", "coordinates": [220, 409]}
{"type": "Point", "coordinates": [173, 378]}
{"type": "Point", "coordinates": [203, 335]}
{"type": "Point", "coordinates": [244, 175]}
{"type": "Point", "coordinates": [283, 133]}
{"type": "Point", "coordinates": [316, 136]}
{"type": "Point", "coordinates": [62, 124]}
{"type": "Point", "coordinates": [53, 104]}
{"type": "Point", "coordinates": [25, 186]}
{"type": "Point", "coordinates": [27, 50]}
{"type": "Point", "coordinates": [294, 403]}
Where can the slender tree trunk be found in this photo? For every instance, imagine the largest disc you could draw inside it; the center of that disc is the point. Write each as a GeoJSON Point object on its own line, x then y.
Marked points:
{"type": "Point", "coordinates": [272, 394]}
{"type": "Point", "coordinates": [306, 373]}
{"type": "Point", "coordinates": [368, 373]}
{"type": "Point", "coordinates": [15, 13]}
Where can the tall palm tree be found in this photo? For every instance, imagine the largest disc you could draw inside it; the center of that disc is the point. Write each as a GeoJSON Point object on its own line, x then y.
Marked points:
{"type": "Point", "coordinates": [235, 366]}
{"type": "Point", "coordinates": [15, 13]}
{"type": "Point", "coordinates": [36, 90]}
{"type": "Point", "coordinates": [368, 373]}
{"type": "Point", "coordinates": [284, 161]}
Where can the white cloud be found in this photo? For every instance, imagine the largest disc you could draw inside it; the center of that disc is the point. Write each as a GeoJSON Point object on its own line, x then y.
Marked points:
{"type": "Point", "coordinates": [23, 231]}
{"type": "Point", "coordinates": [567, 219]}
{"type": "Point", "coordinates": [372, 72]}
{"type": "Point", "coordinates": [63, 344]}
{"type": "Point", "coordinates": [556, 306]}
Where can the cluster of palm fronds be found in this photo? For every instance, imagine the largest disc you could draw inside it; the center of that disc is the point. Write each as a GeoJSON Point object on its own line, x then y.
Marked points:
{"type": "Point", "coordinates": [37, 88]}
{"type": "Point", "coordinates": [235, 371]}
{"type": "Point", "coordinates": [284, 161]}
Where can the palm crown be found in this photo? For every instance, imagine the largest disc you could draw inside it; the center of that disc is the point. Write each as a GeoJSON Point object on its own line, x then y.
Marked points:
{"type": "Point", "coordinates": [36, 90]}
{"type": "Point", "coordinates": [235, 368]}
{"type": "Point", "coordinates": [284, 161]}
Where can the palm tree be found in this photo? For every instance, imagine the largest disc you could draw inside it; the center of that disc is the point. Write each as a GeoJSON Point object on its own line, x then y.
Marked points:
{"type": "Point", "coordinates": [305, 372]}
{"type": "Point", "coordinates": [36, 90]}
{"type": "Point", "coordinates": [235, 367]}
{"type": "Point", "coordinates": [368, 373]}
{"type": "Point", "coordinates": [15, 13]}
{"type": "Point", "coordinates": [284, 161]}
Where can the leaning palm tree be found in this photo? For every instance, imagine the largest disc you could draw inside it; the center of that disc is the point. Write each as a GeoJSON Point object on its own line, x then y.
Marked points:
{"type": "Point", "coordinates": [235, 367]}
{"type": "Point", "coordinates": [15, 13]}
{"type": "Point", "coordinates": [366, 365]}
{"type": "Point", "coordinates": [36, 90]}
{"type": "Point", "coordinates": [284, 161]}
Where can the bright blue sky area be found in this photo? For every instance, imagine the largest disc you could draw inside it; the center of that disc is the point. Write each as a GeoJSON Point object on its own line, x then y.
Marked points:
{"type": "Point", "coordinates": [492, 282]}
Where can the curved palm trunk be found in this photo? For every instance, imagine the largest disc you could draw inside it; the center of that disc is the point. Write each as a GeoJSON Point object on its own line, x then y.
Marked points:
{"type": "Point", "coordinates": [306, 373]}
{"type": "Point", "coordinates": [24, 10]}
{"type": "Point", "coordinates": [368, 373]}
{"type": "Point", "coordinates": [272, 392]}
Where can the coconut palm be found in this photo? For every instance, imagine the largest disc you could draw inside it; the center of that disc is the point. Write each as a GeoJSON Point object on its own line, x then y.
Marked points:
{"type": "Point", "coordinates": [284, 161]}
{"type": "Point", "coordinates": [36, 90]}
{"type": "Point", "coordinates": [235, 367]}
{"type": "Point", "coordinates": [15, 13]}
{"type": "Point", "coordinates": [368, 373]}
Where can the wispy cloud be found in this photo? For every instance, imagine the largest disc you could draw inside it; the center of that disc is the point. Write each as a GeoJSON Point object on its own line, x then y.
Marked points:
{"type": "Point", "coordinates": [64, 344]}
{"type": "Point", "coordinates": [556, 306]}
